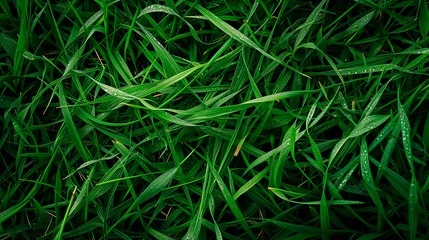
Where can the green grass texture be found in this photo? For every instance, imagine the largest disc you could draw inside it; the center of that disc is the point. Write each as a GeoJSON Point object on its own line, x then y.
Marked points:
{"type": "Point", "coordinates": [224, 119]}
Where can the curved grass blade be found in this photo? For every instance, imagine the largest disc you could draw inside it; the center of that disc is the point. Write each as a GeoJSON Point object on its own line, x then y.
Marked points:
{"type": "Point", "coordinates": [252, 182]}
{"type": "Point", "coordinates": [155, 187]}
{"type": "Point", "coordinates": [279, 193]}
{"type": "Point", "coordinates": [307, 24]}
{"type": "Point", "coordinates": [280, 96]}
{"type": "Point", "coordinates": [231, 202]}
{"type": "Point", "coordinates": [424, 18]}
{"type": "Point", "coordinates": [240, 37]}
{"type": "Point", "coordinates": [405, 126]}
{"type": "Point", "coordinates": [164, 9]}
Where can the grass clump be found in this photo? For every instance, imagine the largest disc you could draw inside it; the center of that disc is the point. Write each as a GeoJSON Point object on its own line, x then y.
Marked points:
{"type": "Point", "coordinates": [222, 119]}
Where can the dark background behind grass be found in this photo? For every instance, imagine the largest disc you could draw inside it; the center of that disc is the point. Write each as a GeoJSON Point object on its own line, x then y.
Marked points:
{"type": "Point", "coordinates": [214, 119]}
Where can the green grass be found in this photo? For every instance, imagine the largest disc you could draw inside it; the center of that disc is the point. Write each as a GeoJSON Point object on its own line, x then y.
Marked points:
{"type": "Point", "coordinates": [214, 119]}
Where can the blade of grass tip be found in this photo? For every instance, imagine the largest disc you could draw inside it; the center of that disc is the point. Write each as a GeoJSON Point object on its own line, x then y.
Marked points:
{"type": "Point", "coordinates": [18, 60]}
{"type": "Point", "coordinates": [280, 96]}
{"type": "Point", "coordinates": [158, 235]}
{"type": "Point", "coordinates": [165, 9]}
{"type": "Point", "coordinates": [170, 65]}
{"type": "Point", "coordinates": [367, 176]}
{"type": "Point", "coordinates": [371, 106]}
{"type": "Point", "coordinates": [358, 25]}
{"type": "Point", "coordinates": [383, 134]}
{"type": "Point", "coordinates": [9, 45]}
{"type": "Point", "coordinates": [153, 189]}
{"type": "Point", "coordinates": [406, 130]}
{"type": "Point", "coordinates": [389, 148]}
{"type": "Point", "coordinates": [129, 33]}
{"type": "Point", "coordinates": [307, 24]}
{"type": "Point", "coordinates": [77, 56]}
{"type": "Point", "coordinates": [368, 180]}
{"type": "Point", "coordinates": [6, 9]}
{"type": "Point", "coordinates": [317, 155]}
{"type": "Point", "coordinates": [240, 37]}
{"type": "Point", "coordinates": [77, 140]}
{"type": "Point", "coordinates": [195, 226]}
{"type": "Point", "coordinates": [172, 80]}
{"type": "Point", "coordinates": [335, 151]}
{"type": "Point", "coordinates": [240, 144]}
{"type": "Point", "coordinates": [398, 182]}
{"type": "Point", "coordinates": [369, 183]}
{"type": "Point", "coordinates": [292, 151]}
{"type": "Point", "coordinates": [227, 150]}
{"type": "Point", "coordinates": [363, 70]}
{"type": "Point", "coordinates": [367, 124]}
{"type": "Point", "coordinates": [335, 194]}
{"type": "Point", "coordinates": [276, 150]}
{"type": "Point", "coordinates": [313, 46]}
{"type": "Point", "coordinates": [93, 19]}
{"type": "Point", "coordinates": [6, 214]}
{"type": "Point", "coordinates": [280, 193]}
{"type": "Point", "coordinates": [276, 173]}
{"type": "Point", "coordinates": [217, 57]}
{"type": "Point", "coordinates": [231, 202]}
{"type": "Point", "coordinates": [325, 223]}
{"type": "Point", "coordinates": [310, 114]}
{"type": "Point", "coordinates": [252, 182]}
{"type": "Point", "coordinates": [297, 227]}
{"type": "Point", "coordinates": [125, 96]}
{"type": "Point", "coordinates": [371, 236]}
{"type": "Point", "coordinates": [84, 192]}
{"type": "Point", "coordinates": [212, 212]}
{"type": "Point", "coordinates": [325, 110]}
{"type": "Point", "coordinates": [88, 163]}
{"type": "Point", "coordinates": [424, 18]}
{"type": "Point", "coordinates": [120, 65]}
{"type": "Point", "coordinates": [60, 232]}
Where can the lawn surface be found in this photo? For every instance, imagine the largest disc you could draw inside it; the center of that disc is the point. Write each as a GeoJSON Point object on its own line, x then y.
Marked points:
{"type": "Point", "coordinates": [280, 119]}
